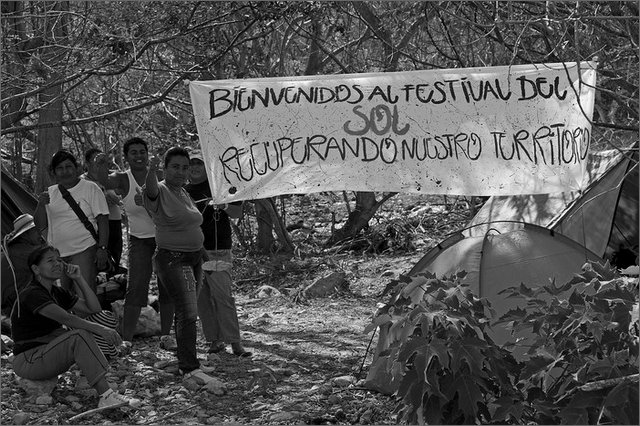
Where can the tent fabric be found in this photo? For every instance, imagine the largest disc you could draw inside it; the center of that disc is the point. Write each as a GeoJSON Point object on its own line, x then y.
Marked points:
{"type": "Point", "coordinates": [526, 253]}
{"type": "Point", "coordinates": [497, 260]}
{"type": "Point", "coordinates": [591, 219]}
{"type": "Point", "coordinates": [16, 200]}
{"type": "Point", "coordinates": [602, 217]}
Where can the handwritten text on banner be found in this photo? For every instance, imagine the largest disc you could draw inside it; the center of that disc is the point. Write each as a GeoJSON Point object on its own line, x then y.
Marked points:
{"type": "Point", "coordinates": [485, 131]}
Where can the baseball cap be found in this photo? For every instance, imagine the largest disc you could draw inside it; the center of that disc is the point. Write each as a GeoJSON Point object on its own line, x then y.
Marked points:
{"type": "Point", "coordinates": [196, 155]}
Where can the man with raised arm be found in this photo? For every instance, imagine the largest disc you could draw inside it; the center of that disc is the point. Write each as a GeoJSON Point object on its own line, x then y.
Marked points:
{"type": "Point", "coordinates": [142, 242]}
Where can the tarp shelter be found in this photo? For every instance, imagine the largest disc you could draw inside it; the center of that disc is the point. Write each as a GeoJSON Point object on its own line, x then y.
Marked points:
{"type": "Point", "coordinates": [16, 200]}
{"type": "Point", "coordinates": [494, 261]}
{"type": "Point", "coordinates": [603, 217]}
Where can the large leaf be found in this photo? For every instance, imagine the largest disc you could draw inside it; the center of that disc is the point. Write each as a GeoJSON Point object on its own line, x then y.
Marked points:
{"type": "Point", "coordinates": [583, 399]}
{"type": "Point", "coordinates": [536, 364]}
{"type": "Point", "coordinates": [505, 408]}
{"type": "Point", "coordinates": [620, 395]}
{"type": "Point", "coordinates": [574, 416]}
{"type": "Point", "coordinates": [468, 349]}
{"type": "Point", "coordinates": [603, 369]}
{"type": "Point", "coordinates": [611, 290]}
{"type": "Point", "coordinates": [377, 322]}
{"type": "Point", "coordinates": [432, 379]}
{"type": "Point", "coordinates": [469, 395]}
{"type": "Point", "coordinates": [432, 414]}
{"type": "Point", "coordinates": [412, 345]}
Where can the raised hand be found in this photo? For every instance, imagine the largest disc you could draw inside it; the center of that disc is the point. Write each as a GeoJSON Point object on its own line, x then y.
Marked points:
{"type": "Point", "coordinates": [72, 271]}
{"type": "Point", "coordinates": [154, 163]}
{"type": "Point", "coordinates": [44, 197]}
{"type": "Point", "coordinates": [138, 197]}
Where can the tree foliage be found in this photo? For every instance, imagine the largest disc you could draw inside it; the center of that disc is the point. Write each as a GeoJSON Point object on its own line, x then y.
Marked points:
{"type": "Point", "coordinates": [81, 74]}
{"type": "Point", "coordinates": [444, 367]}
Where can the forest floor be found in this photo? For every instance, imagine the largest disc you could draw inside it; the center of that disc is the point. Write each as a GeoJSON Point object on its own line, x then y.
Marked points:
{"type": "Point", "coordinates": [310, 355]}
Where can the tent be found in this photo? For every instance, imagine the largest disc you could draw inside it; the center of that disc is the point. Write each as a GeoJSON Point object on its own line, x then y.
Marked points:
{"type": "Point", "coordinates": [494, 261]}
{"type": "Point", "coordinates": [16, 200]}
{"type": "Point", "coordinates": [603, 217]}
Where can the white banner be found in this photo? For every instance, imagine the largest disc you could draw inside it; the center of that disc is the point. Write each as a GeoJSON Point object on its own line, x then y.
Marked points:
{"type": "Point", "coordinates": [521, 129]}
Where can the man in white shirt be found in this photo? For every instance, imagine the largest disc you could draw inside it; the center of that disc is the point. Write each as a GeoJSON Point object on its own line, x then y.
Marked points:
{"type": "Point", "coordinates": [142, 243]}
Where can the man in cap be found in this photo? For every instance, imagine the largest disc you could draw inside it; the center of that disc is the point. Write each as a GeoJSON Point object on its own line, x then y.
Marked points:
{"type": "Point", "coordinates": [16, 247]}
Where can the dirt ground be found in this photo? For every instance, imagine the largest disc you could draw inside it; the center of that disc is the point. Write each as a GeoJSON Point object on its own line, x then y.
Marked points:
{"type": "Point", "coordinates": [310, 356]}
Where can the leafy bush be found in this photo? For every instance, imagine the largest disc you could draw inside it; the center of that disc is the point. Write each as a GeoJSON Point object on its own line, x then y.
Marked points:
{"type": "Point", "coordinates": [445, 369]}
{"type": "Point", "coordinates": [583, 368]}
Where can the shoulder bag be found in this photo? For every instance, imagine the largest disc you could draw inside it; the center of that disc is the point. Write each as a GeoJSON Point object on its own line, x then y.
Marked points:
{"type": "Point", "coordinates": [111, 264]}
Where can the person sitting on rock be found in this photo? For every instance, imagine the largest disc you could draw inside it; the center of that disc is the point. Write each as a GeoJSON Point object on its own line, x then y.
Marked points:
{"type": "Point", "coordinates": [43, 348]}
{"type": "Point", "coordinates": [16, 247]}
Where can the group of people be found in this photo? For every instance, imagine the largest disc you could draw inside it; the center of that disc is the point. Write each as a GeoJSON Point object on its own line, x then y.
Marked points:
{"type": "Point", "coordinates": [174, 229]}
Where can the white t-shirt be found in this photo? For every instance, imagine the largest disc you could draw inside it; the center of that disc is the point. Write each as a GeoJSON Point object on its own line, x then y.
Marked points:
{"type": "Point", "coordinates": [140, 222]}
{"type": "Point", "coordinates": [65, 230]}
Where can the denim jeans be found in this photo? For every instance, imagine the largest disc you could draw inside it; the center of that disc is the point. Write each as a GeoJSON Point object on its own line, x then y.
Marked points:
{"type": "Point", "coordinates": [56, 357]}
{"type": "Point", "coordinates": [115, 239]}
{"type": "Point", "coordinates": [216, 305]}
{"type": "Point", "coordinates": [141, 252]}
{"type": "Point", "coordinates": [180, 274]}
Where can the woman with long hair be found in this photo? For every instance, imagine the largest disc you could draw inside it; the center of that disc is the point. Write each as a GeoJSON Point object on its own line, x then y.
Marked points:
{"type": "Point", "coordinates": [43, 348]}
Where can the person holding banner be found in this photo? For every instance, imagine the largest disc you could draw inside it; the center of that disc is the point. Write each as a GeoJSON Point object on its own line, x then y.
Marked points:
{"type": "Point", "coordinates": [178, 258]}
{"type": "Point", "coordinates": [216, 305]}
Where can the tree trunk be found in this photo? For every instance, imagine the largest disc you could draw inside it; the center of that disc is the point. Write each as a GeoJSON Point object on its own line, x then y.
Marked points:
{"type": "Point", "coordinates": [366, 204]}
{"type": "Point", "coordinates": [268, 221]}
{"type": "Point", "coordinates": [49, 138]}
{"type": "Point", "coordinates": [358, 219]}
{"type": "Point", "coordinates": [265, 240]}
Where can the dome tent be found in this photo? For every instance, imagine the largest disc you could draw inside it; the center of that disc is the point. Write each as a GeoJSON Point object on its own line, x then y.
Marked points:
{"type": "Point", "coordinates": [603, 217]}
{"type": "Point", "coordinates": [526, 253]}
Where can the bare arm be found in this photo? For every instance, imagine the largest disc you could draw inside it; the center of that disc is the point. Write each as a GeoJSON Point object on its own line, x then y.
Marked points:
{"type": "Point", "coordinates": [40, 214]}
{"type": "Point", "coordinates": [117, 181]}
{"type": "Point", "coordinates": [87, 303]}
{"type": "Point", "coordinates": [103, 229]}
{"type": "Point", "coordinates": [151, 183]}
{"type": "Point", "coordinates": [58, 314]}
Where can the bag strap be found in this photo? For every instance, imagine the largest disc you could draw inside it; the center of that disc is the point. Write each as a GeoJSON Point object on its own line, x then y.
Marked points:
{"type": "Point", "coordinates": [76, 208]}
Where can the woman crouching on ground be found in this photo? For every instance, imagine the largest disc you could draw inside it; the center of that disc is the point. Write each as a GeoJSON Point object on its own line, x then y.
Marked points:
{"type": "Point", "coordinates": [43, 348]}
{"type": "Point", "coordinates": [178, 258]}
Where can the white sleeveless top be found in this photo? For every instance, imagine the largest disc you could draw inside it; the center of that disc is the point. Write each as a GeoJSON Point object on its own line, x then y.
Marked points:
{"type": "Point", "coordinates": [140, 222]}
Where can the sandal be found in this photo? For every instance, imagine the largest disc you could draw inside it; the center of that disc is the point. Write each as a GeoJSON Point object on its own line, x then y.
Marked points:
{"type": "Point", "coordinates": [198, 377]}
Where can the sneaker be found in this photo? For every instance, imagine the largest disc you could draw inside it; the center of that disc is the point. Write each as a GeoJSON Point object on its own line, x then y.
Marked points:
{"type": "Point", "coordinates": [198, 377]}
{"type": "Point", "coordinates": [113, 399]}
{"type": "Point", "coordinates": [168, 343]}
